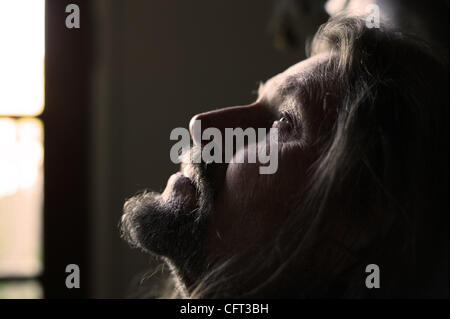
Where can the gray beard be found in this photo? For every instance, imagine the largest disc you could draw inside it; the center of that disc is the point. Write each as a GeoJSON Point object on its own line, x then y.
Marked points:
{"type": "Point", "coordinates": [169, 230]}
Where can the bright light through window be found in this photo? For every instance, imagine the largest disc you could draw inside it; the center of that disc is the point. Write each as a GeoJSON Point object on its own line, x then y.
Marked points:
{"type": "Point", "coordinates": [21, 183]}
{"type": "Point", "coordinates": [22, 31]}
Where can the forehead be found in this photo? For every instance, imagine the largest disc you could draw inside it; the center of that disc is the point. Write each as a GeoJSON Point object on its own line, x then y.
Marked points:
{"type": "Point", "coordinates": [293, 77]}
{"type": "Point", "coordinates": [304, 67]}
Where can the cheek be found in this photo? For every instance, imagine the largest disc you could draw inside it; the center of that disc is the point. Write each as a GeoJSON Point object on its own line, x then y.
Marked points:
{"type": "Point", "coordinates": [246, 188]}
{"type": "Point", "coordinates": [251, 205]}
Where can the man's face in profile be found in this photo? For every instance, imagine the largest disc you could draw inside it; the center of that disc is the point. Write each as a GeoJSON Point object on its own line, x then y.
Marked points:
{"type": "Point", "coordinates": [360, 132]}
{"type": "Point", "coordinates": [207, 213]}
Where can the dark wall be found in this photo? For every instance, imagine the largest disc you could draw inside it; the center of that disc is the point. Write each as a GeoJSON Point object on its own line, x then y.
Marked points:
{"type": "Point", "coordinates": [156, 64]}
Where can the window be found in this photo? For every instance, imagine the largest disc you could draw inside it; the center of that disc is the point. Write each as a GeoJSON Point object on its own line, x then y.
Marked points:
{"type": "Point", "coordinates": [22, 32]}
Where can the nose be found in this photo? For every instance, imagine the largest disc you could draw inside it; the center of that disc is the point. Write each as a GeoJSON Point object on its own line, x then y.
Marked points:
{"type": "Point", "coordinates": [248, 116]}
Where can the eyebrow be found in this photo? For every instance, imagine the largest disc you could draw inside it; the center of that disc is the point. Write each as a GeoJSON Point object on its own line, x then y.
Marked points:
{"type": "Point", "coordinates": [292, 84]}
{"type": "Point", "coordinates": [297, 84]}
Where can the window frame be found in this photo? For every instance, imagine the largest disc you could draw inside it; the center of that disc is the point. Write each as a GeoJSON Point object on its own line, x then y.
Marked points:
{"type": "Point", "coordinates": [66, 143]}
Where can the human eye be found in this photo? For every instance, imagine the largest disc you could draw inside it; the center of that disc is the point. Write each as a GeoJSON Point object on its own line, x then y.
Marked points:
{"type": "Point", "coordinates": [287, 126]}
{"type": "Point", "coordinates": [285, 122]}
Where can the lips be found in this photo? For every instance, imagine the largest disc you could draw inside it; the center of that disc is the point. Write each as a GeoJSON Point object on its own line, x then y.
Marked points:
{"type": "Point", "coordinates": [181, 191]}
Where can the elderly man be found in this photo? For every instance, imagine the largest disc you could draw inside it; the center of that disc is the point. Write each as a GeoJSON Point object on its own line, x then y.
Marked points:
{"type": "Point", "coordinates": [361, 181]}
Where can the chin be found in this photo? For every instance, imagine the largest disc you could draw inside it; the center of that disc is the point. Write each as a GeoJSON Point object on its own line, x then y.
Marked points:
{"type": "Point", "coordinates": [171, 225]}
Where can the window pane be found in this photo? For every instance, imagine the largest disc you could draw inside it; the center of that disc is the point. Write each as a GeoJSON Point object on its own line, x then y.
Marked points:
{"type": "Point", "coordinates": [21, 197]}
{"type": "Point", "coordinates": [21, 290]}
{"type": "Point", "coordinates": [22, 31]}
